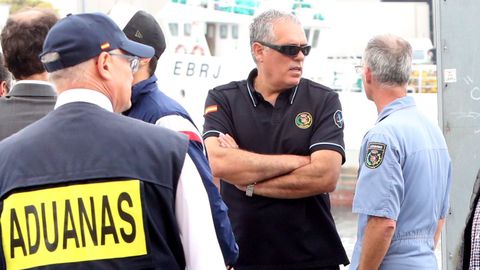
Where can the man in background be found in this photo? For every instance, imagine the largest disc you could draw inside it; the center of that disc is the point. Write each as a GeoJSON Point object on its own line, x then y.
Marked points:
{"type": "Point", "coordinates": [32, 96]}
{"type": "Point", "coordinates": [404, 177]}
{"type": "Point", "coordinates": [151, 105]}
{"type": "Point", "coordinates": [470, 248]}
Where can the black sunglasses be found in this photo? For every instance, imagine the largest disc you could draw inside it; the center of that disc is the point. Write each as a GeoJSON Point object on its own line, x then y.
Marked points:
{"type": "Point", "coordinates": [290, 50]}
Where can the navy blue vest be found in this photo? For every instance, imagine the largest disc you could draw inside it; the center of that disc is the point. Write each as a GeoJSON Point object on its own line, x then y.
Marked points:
{"type": "Point", "coordinates": [88, 189]}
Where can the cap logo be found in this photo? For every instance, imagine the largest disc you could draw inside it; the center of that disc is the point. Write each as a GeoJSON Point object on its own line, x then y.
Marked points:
{"type": "Point", "coordinates": [105, 46]}
{"type": "Point", "coordinates": [303, 120]}
{"type": "Point", "coordinates": [338, 119]}
{"type": "Point", "coordinates": [138, 34]}
{"type": "Point", "coordinates": [375, 154]}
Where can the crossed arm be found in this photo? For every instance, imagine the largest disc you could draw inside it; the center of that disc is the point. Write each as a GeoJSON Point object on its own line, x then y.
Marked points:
{"type": "Point", "coordinates": [276, 176]}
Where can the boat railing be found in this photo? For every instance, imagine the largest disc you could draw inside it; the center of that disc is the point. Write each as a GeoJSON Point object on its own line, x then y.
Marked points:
{"type": "Point", "coordinates": [250, 7]}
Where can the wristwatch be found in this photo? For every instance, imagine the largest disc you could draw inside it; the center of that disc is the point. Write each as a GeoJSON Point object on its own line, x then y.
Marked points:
{"type": "Point", "coordinates": [249, 190]}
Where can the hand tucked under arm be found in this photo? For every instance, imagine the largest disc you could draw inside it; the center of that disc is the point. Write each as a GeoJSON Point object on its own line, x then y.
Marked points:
{"type": "Point", "coordinates": [319, 176]}
{"type": "Point", "coordinates": [241, 167]}
{"type": "Point", "coordinates": [227, 141]}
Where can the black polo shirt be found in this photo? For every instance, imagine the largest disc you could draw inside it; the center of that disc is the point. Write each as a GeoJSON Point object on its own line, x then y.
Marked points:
{"type": "Point", "coordinates": [279, 233]}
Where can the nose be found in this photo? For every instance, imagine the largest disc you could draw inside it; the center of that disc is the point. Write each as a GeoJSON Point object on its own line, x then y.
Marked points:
{"type": "Point", "coordinates": [300, 56]}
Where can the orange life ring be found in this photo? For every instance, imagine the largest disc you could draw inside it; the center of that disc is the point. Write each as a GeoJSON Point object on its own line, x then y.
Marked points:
{"type": "Point", "coordinates": [197, 49]}
{"type": "Point", "coordinates": [180, 49]}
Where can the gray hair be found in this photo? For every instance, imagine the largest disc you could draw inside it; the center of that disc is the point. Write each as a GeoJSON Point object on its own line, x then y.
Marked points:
{"type": "Point", "coordinates": [389, 57]}
{"type": "Point", "coordinates": [261, 28]}
{"type": "Point", "coordinates": [63, 78]}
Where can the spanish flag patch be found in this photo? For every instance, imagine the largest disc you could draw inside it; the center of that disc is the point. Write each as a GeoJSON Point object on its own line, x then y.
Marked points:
{"type": "Point", "coordinates": [209, 109]}
{"type": "Point", "coordinates": [105, 46]}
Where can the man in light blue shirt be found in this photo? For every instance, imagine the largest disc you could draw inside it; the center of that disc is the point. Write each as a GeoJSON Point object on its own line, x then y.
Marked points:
{"type": "Point", "coordinates": [404, 175]}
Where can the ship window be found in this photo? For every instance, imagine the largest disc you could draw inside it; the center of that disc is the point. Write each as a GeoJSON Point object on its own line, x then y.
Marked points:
{"type": "Point", "coordinates": [223, 31]}
{"type": "Point", "coordinates": [187, 29]}
{"type": "Point", "coordinates": [173, 29]}
{"type": "Point", "coordinates": [235, 31]}
{"type": "Point", "coordinates": [307, 33]}
{"type": "Point", "coordinates": [210, 31]}
{"type": "Point", "coordinates": [314, 42]}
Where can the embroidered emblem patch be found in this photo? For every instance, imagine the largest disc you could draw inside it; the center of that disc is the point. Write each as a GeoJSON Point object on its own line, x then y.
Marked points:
{"type": "Point", "coordinates": [338, 119]}
{"type": "Point", "coordinates": [375, 154]}
{"type": "Point", "coordinates": [303, 120]}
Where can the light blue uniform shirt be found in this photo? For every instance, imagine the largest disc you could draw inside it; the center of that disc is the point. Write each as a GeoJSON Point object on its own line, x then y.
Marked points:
{"type": "Point", "coordinates": [404, 175]}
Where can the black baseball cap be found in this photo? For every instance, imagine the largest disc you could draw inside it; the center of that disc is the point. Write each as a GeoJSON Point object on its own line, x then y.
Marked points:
{"type": "Point", "coordinates": [78, 38]}
{"type": "Point", "coordinates": [143, 28]}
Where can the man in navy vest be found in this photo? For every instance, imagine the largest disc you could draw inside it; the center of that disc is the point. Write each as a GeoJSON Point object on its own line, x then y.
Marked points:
{"type": "Point", "coordinates": [153, 106]}
{"type": "Point", "coordinates": [95, 189]}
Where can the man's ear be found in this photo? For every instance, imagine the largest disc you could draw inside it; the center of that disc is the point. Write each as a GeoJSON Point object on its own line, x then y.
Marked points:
{"type": "Point", "coordinates": [3, 88]}
{"type": "Point", "coordinates": [144, 64]}
{"type": "Point", "coordinates": [258, 51]}
{"type": "Point", "coordinates": [145, 61]}
{"type": "Point", "coordinates": [368, 75]}
{"type": "Point", "coordinates": [104, 65]}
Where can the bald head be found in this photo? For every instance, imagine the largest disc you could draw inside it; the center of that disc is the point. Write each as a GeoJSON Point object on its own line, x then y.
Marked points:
{"type": "Point", "coordinates": [27, 16]}
{"type": "Point", "coordinates": [389, 57]}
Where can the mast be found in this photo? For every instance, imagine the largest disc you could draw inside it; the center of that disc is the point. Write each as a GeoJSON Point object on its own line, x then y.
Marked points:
{"type": "Point", "coordinates": [457, 42]}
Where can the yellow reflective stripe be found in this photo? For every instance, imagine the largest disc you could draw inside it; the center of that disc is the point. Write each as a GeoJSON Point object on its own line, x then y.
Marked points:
{"type": "Point", "coordinates": [82, 222]}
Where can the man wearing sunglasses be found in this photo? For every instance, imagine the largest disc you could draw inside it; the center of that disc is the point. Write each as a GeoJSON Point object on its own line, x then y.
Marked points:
{"type": "Point", "coordinates": [276, 141]}
{"type": "Point", "coordinates": [95, 189]}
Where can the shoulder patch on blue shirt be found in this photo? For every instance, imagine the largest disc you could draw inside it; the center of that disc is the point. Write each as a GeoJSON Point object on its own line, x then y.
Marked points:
{"type": "Point", "coordinates": [375, 154]}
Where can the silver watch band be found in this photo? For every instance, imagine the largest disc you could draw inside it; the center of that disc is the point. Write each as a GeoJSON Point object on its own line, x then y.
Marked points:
{"type": "Point", "coordinates": [249, 190]}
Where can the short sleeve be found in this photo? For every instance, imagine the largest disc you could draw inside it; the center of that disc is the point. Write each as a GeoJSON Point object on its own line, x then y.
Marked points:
{"type": "Point", "coordinates": [380, 186]}
{"type": "Point", "coordinates": [328, 130]}
{"type": "Point", "coordinates": [217, 115]}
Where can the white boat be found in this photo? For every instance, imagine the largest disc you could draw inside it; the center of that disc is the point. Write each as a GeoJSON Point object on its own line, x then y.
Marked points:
{"type": "Point", "coordinates": [208, 46]}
